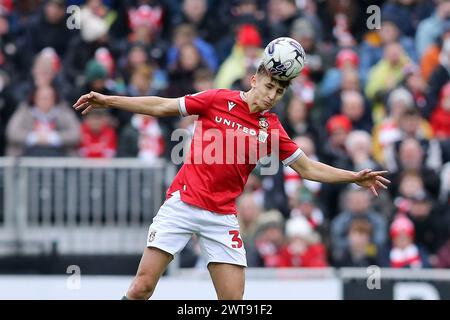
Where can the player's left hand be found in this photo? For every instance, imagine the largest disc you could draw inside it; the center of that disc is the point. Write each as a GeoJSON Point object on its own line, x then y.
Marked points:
{"type": "Point", "coordinates": [372, 179]}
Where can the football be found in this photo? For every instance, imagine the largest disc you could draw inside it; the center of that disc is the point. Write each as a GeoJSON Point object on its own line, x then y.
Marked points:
{"type": "Point", "coordinates": [284, 58]}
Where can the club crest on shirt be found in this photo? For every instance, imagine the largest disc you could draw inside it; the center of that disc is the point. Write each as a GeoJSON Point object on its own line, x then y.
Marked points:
{"type": "Point", "coordinates": [263, 124]}
{"type": "Point", "coordinates": [151, 236]}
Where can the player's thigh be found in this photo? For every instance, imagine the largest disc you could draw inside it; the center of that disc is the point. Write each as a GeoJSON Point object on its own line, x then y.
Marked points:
{"type": "Point", "coordinates": [228, 279]}
{"type": "Point", "coordinates": [224, 252]}
{"type": "Point", "coordinates": [172, 226]}
{"type": "Point", "coordinates": [220, 240]}
{"type": "Point", "coordinates": [153, 263]}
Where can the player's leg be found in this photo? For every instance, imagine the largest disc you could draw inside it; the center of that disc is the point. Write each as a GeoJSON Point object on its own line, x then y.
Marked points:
{"type": "Point", "coordinates": [153, 264]}
{"type": "Point", "coordinates": [224, 253]}
{"type": "Point", "coordinates": [167, 235]}
{"type": "Point", "coordinates": [228, 279]}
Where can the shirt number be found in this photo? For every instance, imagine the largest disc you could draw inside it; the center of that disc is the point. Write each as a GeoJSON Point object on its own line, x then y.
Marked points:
{"type": "Point", "coordinates": [237, 242]}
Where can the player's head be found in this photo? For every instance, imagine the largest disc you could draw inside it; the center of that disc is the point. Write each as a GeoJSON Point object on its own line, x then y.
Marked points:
{"type": "Point", "coordinates": [267, 90]}
{"type": "Point", "coordinates": [263, 72]}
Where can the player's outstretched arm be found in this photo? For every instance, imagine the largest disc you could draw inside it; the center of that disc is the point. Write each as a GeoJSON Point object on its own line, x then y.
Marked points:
{"type": "Point", "coordinates": [151, 105]}
{"type": "Point", "coordinates": [318, 171]}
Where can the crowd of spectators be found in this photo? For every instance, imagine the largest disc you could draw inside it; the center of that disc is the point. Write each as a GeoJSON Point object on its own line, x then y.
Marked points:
{"type": "Point", "coordinates": [371, 96]}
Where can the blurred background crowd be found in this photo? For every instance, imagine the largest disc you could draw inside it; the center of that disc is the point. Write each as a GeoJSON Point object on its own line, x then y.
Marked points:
{"type": "Point", "coordinates": [368, 98]}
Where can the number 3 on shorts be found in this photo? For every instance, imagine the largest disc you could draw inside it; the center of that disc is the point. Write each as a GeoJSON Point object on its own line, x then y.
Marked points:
{"type": "Point", "coordinates": [237, 241]}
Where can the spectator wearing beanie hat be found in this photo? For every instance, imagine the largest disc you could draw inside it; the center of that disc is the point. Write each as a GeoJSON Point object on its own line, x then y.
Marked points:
{"type": "Point", "coordinates": [245, 53]}
{"type": "Point", "coordinates": [345, 59]}
{"type": "Point", "coordinates": [146, 17]}
{"type": "Point", "coordinates": [337, 127]}
{"type": "Point", "coordinates": [339, 122]}
{"type": "Point", "coordinates": [404, 253]}
{"type": "Point", "coordinates": [95, 79]}
{"type": "Point", "coordinates": [144, 28]}
{"type": "Point", "coordinates": [249, 36]}
{"type": "Point", "coordinates": [304, 247]}
{"type": "Point", "coordinates": [95, 71]}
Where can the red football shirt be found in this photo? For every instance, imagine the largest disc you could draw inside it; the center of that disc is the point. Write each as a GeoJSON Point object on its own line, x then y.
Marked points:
{"type": "Point", "coordinates": [102, 144]}
{"type": "Point", "coordinates": [227, 143]}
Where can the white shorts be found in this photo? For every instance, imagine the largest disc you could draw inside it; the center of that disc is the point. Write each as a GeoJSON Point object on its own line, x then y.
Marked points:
{"type": "Point", "coordinates": [218, 234]}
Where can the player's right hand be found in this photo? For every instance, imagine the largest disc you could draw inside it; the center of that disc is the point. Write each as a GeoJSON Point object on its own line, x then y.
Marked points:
{"type": "Point", "coordinates": [92, 100]}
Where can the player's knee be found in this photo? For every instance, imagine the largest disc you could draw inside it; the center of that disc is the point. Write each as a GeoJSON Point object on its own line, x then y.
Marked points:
{"type": "Point", "coordinates": [232, 296]}
{"type": "Point", "coordinates": [141, 288]}
{"type": "Point", "coordinates": [237, 294]}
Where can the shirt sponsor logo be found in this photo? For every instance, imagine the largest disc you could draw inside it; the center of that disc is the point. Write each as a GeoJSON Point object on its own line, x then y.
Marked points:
{"type": "Point", "coordinates": [233, 124]}
{"type": "Point", "coordinates": [232, 143]}
{"type": "Point", "coordinates": [231, 105]}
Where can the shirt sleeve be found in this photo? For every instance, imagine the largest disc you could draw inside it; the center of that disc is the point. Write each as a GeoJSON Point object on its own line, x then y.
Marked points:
{"type": "Point", "coordinates": [288, 151]}
{"type": "Point", "coordinates": [196, 104]}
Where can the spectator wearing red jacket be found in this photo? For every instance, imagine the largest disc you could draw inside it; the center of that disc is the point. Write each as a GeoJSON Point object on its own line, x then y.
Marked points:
{"type": "Point", "coordinates": [440, 118]}
{"type": "Point", "coordinates": [304, 247]}
{"type": "Point", "coordinates": [98, 137]}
